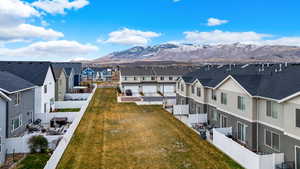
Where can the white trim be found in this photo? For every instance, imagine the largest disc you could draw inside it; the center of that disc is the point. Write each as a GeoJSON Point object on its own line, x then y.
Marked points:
{"type": "Point", "coordinates": [4, 96]}
{"type": "Point", "coordinates": [289, 97]}
{"type": "Point", "coordinates": [230, 77]}
{"type": "Point", "coordinates": [17, 90]}
{"type": "Point", "coordinates": [296, 156]}
{"type": "Point", "coordinates": [292, 135]}
{"type": "Point", "coordinates": [270, 125]}
{"type": "Point", "coordinates": [245, 131]}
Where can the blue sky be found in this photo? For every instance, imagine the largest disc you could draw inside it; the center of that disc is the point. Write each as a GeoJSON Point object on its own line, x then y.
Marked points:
{"type": "Point", "coordinates": [87, 29]}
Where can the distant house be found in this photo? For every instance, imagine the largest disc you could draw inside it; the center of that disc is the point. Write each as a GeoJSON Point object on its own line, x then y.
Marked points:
{"type": "Point", "coordinates": [41, 75]}
{"type": "Point", "coordinates": [151, 80]}
{"type": "Point", "coordinates": [60, 84]}
{"type": "Point", "coordinates": [97, 74]}
{"type": "Point", "coordinates": [20, 108]}
{"type": "Point", "coordinates": [3, 112]}
{"type": "Point", "coordinates": [77, 67]}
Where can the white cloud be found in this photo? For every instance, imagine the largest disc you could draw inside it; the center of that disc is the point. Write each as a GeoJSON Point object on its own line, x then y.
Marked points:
{"type": "Point", "coordinates": [220, 37]}
{"type": "Point", "coordinates": [59, 6]}
{"type": "Point", "coordinates": [44, 23]}
{"type": "Point", "coordinates": [176, 0]}
{"type": "Point", "coordinates": [215, 22]}
{"type": "Point", "coordinates": [25, 32]}
{"type": "Point", "coordinates": [127, 36]}
{"type": "Point", "coordinates": [61, 48]}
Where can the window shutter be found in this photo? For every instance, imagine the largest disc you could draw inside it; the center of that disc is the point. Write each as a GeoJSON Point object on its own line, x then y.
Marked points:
{"type": "Point", "coordinates": [269, 111]}
{"type": "Point", "coordinates": [298, 118]}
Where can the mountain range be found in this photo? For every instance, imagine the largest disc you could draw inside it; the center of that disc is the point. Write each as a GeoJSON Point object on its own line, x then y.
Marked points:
{"type": "Point", "coordinates": [204, 53]}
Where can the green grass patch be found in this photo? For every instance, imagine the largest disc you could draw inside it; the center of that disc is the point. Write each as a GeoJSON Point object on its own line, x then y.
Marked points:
{"type": "Point", "coordinates": [67, 110]}
{"type": "Point", "coordinates": [34, 161]}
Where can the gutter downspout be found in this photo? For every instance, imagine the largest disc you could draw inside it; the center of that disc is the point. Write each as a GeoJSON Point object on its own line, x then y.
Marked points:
{"type": "Point", "coordinates": [257, 123]}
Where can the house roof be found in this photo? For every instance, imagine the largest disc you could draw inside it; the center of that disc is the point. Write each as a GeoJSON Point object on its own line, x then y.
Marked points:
{"type": "Point", "coordinates": [10, 83]}
{"type": "Point", "coordinates": [57, 72]}
{"type": "Point", "coordinates": [68, 71]}
{"type": "Point", "coordinates": [34, 72]}
{"type": "Point", "coordinates": [158, 71]}
{"type": "Point", "coordinates": [2, 95]}
{"type": "Point", "coordinates": [269, 81]}
{"type": "Point", "coordinates": [76, 66]}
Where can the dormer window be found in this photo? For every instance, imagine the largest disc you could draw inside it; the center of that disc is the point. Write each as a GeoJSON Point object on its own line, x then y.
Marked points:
{"type": "Point", "coordinates": [45, 89]}
{"type": "Point", "coordinates": [162, 78]}
{"type": "Point", "coordinates": [18, 99]}
{"type": "Point", "coordinates": [198, 91]}
{"type": "Point", "coordinates": [152, 78]}
{"type": "Point", "coordinates": [170, 78]}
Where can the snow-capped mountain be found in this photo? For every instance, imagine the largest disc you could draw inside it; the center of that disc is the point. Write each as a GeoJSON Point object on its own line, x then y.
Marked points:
{"type": "Point", "coordinates": [205, 53]}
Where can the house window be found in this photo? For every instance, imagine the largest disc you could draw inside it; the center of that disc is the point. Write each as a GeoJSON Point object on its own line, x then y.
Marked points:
{"type": "Point", "coordinates": [241, 132]}
{"type": "Point", "coordinates": [241, 103]}
{"type": "Point", "coordinates": [45, 108]}
{"type": "Point", "coordinates": [193, 89]}
{"type": "Point", "coordinates": [182, 87]}
{"type": "Point", "coordinates": [215, 115]}
{"type": "Point", "coordinates": [134, 78]}
{"type": "Point", "coordinates": [223, 98]}
{"type": "Point", "coordinates": [298, 118]}
{"type": "Point", "coordinates": [18, 98]}
{"type": "Point", "coordinates": [198, 91]}
{"type": "Point", "coordinates": [273, 109]}
{"type": "Point", "coordinates": [152, 78]}
{"type": "Point", "coordinates": [170, 78]}
{"type": "Point", "coordinates": [16, 123]}
{"type": "Point", "coordinates": [272, 139]}
{"type": "Point", "coordinates": [125, 78]}
{"type": "Point", "coordinates": [144, 78]}
{"type": "Point", "coordinates": [178, 86]}
{"type": "Point", "coordinates": [45, 89]}
{"type": "Point", "coordinates": [162, 78]}
{"type": "Point", "coordinates": [213, 95]}
{"type": "Point", "coordinates": [198, 109]}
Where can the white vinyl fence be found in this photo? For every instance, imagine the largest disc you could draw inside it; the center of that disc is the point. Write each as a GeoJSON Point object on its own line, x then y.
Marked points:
{"type": "Point", "coordinates": [242, 155]}
{"type": "Point", "coordinates": [181, 109]}
{"type": "Point", "coordinates": [57, 154]}
{"type": "Point", "coordinates": [20, 144]}
{"type": "Point", "coordinates": [46, 117]}
{"type": "Point", "coordinates": [77, 96]}
{"type": "Point", "coordinates": [69, 104]}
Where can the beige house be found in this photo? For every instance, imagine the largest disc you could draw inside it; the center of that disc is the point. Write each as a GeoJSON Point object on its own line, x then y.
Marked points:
{"type": "Point", "coordinates": [60, 83]}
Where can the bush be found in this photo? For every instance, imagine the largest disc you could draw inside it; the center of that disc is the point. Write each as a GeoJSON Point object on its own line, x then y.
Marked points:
{"type": "Point", "coordinates": [38, 144]}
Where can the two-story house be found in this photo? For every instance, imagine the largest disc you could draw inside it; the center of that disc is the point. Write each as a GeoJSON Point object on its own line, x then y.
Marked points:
{"type": "Point", "coordinates": [61, 83]}
{"type": "Point", "coordinates": [3, 112]}
{"type": "Point", "coordinates": [41, 75]}
{"type": "Point", "coordinates": [259, 102]}
{"type": "Point", "coordinates": [151, 80]}
{"type": "Point", "coordinates": [77, 68]}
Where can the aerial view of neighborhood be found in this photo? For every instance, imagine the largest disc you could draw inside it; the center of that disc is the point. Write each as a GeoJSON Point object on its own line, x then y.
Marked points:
{"type": "Point", "coordinates": [139, 84]}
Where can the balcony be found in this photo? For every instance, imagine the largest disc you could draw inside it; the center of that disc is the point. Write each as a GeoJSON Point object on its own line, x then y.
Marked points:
{"type": "Point", "coordinates": [242, 155]}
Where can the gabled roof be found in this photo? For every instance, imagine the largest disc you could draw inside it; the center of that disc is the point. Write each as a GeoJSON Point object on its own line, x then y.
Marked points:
{"type": "Point", "coordinates": [10, 83]}
{"type": "Point", "coordinates": [57, 72]}
{"type": "Point", "coordinates": [273, 81]}
{"type": "Point", "coordinates": [76, 66]}
{"type": "Point", "coordinates": [34, 72]}
{"type": "Point", "coordinates": [68, 71]}
{"type": "Point", "coordinates": [155, 71]}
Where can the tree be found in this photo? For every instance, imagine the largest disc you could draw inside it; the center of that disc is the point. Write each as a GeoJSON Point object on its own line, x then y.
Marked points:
{"type": "Point", "coordinates": [38, 144]}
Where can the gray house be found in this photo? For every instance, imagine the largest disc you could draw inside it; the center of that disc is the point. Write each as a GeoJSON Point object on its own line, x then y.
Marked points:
{"type": "Point", "coordinates": [60, 84]}
{"type": "Point", "coordinates": [20, 108]}
{"type": "Point", "coordinates": [70, 78]}
{"type": "Point", "coordinates": [3, 112]}
{"type": "Point", "coordinates": [260, 102]}
{"type": "Point", "coordinates": [77, 67]}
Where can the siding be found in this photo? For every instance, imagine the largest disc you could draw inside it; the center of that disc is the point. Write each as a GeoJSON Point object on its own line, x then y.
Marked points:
{"type": "Point", "coordinates": [2, 128]}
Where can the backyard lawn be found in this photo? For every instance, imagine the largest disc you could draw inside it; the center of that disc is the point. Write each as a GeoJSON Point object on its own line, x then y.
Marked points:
{"type": "Point", "coordinates": [127, 136]}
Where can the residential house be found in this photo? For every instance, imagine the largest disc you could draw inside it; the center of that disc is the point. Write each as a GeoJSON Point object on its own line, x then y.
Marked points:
{"type": "Point", "coordinates": [260, 102]}
{"type": "Point", "coordinates": [77, 67]}
{"type": "Point", "coordinates": [61, 83]}
{"type": "Point", "coordinates": [70, 78]}
{"type": "Point", "coordinates": [97, 74]}
{"type": "Point", "coordinates": [151, 80]}
{"type": "Point", "coordinates": [41, 75]}
{"type": "Point", "coordinates": [88, 74]}
{"type": "Point", "coordinates": [3, 112]}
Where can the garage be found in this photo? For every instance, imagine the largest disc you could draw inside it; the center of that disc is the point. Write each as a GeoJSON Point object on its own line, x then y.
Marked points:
{"type": "Point", "coordinates": [134, 89]}
{"type": "Point", "coordinates": [167, 89]}
{"type": "Point", "coordinates": [149, 89]}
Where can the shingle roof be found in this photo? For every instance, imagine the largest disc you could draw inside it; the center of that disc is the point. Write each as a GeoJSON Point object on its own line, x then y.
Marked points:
{"type": "Point", "coordinates": [265, 81]}
{"type": "Point", "coordinates": [57, 72]}
{"type": "Point", "coordinates": [68, 71]}
{"type": "Point", "coordinates": [11, 83]}
{"type": "Point", "coordinates": [34, 72]}
{"type": "Point", "coordinates": [76, 66]}
{"type": "Point", "coordinates": [159, 71]}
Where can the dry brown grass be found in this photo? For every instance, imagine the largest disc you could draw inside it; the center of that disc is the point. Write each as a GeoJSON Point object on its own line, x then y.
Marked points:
{"type": "Point", "coordinates": [127, 136]}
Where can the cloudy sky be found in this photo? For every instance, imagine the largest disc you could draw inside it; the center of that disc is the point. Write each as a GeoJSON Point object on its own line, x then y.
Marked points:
{"type": "Point", "coordinates": [60, 30]}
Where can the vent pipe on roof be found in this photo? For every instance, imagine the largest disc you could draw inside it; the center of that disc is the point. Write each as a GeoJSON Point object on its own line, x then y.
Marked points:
{"type": "Point", "coordinates": [263, 67]}
{"type": "Point", "coordinates": [286, 64]}
{"type": "Point", "coordinates": [275, 70]}
{"type": "Point", "coordinates": [280, 67]}
{"type": "Point", "coordinates": [268, 64]}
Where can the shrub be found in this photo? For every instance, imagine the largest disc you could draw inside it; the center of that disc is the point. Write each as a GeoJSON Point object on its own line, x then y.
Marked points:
{"type": "Point", "coordinates": [38, 144]}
